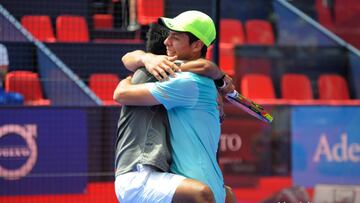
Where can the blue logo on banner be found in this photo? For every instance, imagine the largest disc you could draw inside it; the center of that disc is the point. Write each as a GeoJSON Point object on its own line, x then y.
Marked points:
{"type": "Point", "coordinates": [42, 151]}
{"type": "Point", "coordinates": [325, 145]}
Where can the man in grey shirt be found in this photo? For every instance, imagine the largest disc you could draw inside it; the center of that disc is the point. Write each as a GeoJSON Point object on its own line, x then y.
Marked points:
{"type": "Point", "coordinates": [144, 127]}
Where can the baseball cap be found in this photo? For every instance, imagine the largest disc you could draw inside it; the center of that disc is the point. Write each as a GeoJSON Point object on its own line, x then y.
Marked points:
{"type": "Point", "coordinates": [195, 22]}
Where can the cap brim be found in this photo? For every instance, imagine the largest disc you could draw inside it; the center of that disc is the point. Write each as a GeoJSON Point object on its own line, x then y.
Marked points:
{"type": "Point", "coordinates": [170, 24]}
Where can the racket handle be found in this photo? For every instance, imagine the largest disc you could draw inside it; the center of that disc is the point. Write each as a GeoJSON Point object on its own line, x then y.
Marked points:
{"type": "Point", "coordinates": [248, 106]}
{"type": "Point", "coordinates": [245, 104]}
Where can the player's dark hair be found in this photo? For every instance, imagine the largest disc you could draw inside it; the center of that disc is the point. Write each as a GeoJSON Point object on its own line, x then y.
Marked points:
{"type": "Point", "coordinates": [156, 36]}
{"type": "Point", "coordinates": [193, 38]}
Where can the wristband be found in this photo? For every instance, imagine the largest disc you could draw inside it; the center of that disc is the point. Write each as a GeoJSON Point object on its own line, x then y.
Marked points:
{"type": "Point", "coordinates": [220, 83]}
{"type": "Point", "coordinates": [178, 62]}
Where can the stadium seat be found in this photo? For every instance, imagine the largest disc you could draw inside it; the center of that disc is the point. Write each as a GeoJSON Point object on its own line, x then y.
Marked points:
{"type": "Point", "coordinates": [296, 86]}
{"type": "Point", "coordinates": [71, 28]}
{"type": "Point", "coordinates": [333, 87]}
{"type": "Point", "coordinates": [28, 84]}
{"type": "Point", "coordinates": [257, 86]}
{"type": "Point", "coordinates": [103, 21]}
{"type": "Point", "coordinates": [231, 31]}
{"type": "Point", "coordinates": [103, 85]}
{"type": "Point", "coordinates": [259, 32]}
{"type": "Point", "coordinates": [149, 11]}
{"type": "Point", "coordinates": [39, 26]}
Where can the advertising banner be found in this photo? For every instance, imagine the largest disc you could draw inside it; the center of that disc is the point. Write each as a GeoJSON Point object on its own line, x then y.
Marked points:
{"type": "Point", "coordinates": [42, 151]}
{"type": "Point", "coordinates": [325, 145]}
{"type": "Point", "coordinates": [244, 150]}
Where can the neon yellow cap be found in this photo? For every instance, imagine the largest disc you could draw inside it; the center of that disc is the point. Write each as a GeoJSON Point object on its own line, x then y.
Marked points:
{"type": "Point", "coordinates": [195, 22]}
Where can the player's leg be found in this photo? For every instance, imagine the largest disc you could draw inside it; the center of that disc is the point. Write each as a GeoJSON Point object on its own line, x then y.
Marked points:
{"type": "Point", "coordinates": [148, 185]}
{"type": "Point", "coordinates": [193, 191]}
{"type": "Point", "coordinates": [168, 187]}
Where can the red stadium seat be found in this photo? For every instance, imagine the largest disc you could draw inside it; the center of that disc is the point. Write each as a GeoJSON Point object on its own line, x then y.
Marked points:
{"type": "Point", "coordinates": [72, 29]}
{"type": "Point", "coordinates": [333, 87]}
{"type": "Point", "coordinates": [103, 85]}
{"type": "Point", "coordinates": [259, 32]}
{"type": "Point", "coordinates": [103, 21]}
{"type": "Point", "coordinates": [257, 86]}
{"type": "Point", "coordinates": [39, 26]}
{"type": "Point", "coordinates": [28, 84]}
{"type": "Point", "coordinates": [296, 86]}
{"type": "Point", "coordinates": [149, 11]}
{"type": "Point", "coordinates": [231, 31]}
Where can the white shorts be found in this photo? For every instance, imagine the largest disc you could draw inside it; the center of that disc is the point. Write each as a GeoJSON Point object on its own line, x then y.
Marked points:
{"type": "Point", "coordinates": [146, 185]}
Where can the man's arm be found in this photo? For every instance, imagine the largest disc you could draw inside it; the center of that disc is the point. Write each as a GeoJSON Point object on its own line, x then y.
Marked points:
{"type": "Point", "coordinates": [133, 60]}
{"type": "Point", "coordinates": [127, 93]}
{"type": "Point", "coordinates": [160, 66]}
{"type": "Point", "coordinates": [203, 67]}
{"type": "Point", "coordinates": [211, 70]}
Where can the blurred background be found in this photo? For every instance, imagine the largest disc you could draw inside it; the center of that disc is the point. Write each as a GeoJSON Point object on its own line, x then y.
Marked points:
{"type": "Point", "coordinates": [60, 62]}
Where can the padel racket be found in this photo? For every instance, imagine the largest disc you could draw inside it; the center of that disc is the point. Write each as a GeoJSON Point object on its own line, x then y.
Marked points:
{"type": "Point", "coordinates": [249, 106]}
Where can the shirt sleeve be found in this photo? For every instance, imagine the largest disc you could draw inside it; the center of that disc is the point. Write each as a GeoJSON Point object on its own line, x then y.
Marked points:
{"type": "Point", "coordinates": [181, 90]}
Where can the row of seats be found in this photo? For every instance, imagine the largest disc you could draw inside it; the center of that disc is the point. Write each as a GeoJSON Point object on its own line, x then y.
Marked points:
{"type": "Point", "coordinates": [254, 86]}
{"type": "Point", "coordinates": [69, 28]}
{"type": "Point", "coordinates": [253, 31]}
{"type": "Point", "coordinates": [233, 33]}
{"type": "Point", "coordinates": [29, 85]}
{"type": "Point", "coordinates": [146, 12]}
{"type": "Point", "coordinates": [295, 87]}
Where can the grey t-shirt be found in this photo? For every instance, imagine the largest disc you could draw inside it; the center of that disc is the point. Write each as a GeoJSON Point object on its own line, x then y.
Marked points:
{"type": "Point", "coordinates": [142, 134]}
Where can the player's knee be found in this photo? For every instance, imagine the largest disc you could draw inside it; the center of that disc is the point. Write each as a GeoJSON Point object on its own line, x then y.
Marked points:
{"type": "Point", "coordinates": [205, 194]}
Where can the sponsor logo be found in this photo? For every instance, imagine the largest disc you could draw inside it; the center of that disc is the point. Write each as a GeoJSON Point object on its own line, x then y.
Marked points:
{"type": "Point", "coordinates": [342, 151]}
{"type": "Point", "coordinates": [18, 157]}
{"type": "Point", "coordinates": [230, 142]}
